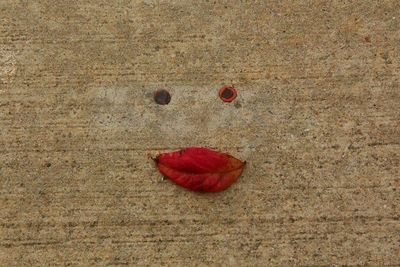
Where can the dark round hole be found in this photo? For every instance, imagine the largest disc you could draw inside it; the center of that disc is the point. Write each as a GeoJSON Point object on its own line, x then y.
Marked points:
{"type": "Point", "coordinates": [227, 94]}
{"type": "Point", "coordinates": [162, 97]}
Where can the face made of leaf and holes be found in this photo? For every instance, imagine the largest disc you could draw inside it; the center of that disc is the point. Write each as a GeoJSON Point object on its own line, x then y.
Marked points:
{"type": "Point", "coordinates": [194, 117]}
{"type": "Point", "coordinates": [129, 119]}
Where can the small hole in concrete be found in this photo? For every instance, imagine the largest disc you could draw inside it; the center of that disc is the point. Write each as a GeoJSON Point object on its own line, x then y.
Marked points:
{"type": "Point", "coordinates": [162, 97]}
{"type": "Point", "coordinates": [227, 93]}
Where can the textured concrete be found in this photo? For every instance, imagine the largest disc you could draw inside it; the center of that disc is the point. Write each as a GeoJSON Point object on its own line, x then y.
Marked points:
{"type": "Point", "coordinates": [317, 118]}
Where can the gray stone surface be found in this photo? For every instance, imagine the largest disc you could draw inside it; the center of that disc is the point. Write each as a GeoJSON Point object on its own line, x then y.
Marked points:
{"type": "Point", "coordinates": [317, 118]}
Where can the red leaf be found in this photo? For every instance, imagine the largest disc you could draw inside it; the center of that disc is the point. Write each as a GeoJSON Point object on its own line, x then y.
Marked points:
{"type": "Point", "coordinates": [200, 169]}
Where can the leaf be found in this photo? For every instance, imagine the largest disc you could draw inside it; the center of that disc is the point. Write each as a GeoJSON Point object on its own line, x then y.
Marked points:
{"type": "Point", "coordinates": [200, 169]}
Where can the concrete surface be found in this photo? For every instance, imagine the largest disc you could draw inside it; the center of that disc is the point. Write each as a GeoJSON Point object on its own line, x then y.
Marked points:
{"type": "Point", "coordinates": [317, 118]}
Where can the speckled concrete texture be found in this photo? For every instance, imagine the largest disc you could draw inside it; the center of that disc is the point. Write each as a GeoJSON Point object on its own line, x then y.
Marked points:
{"type": "Point", "coordinates": [317, 118]}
